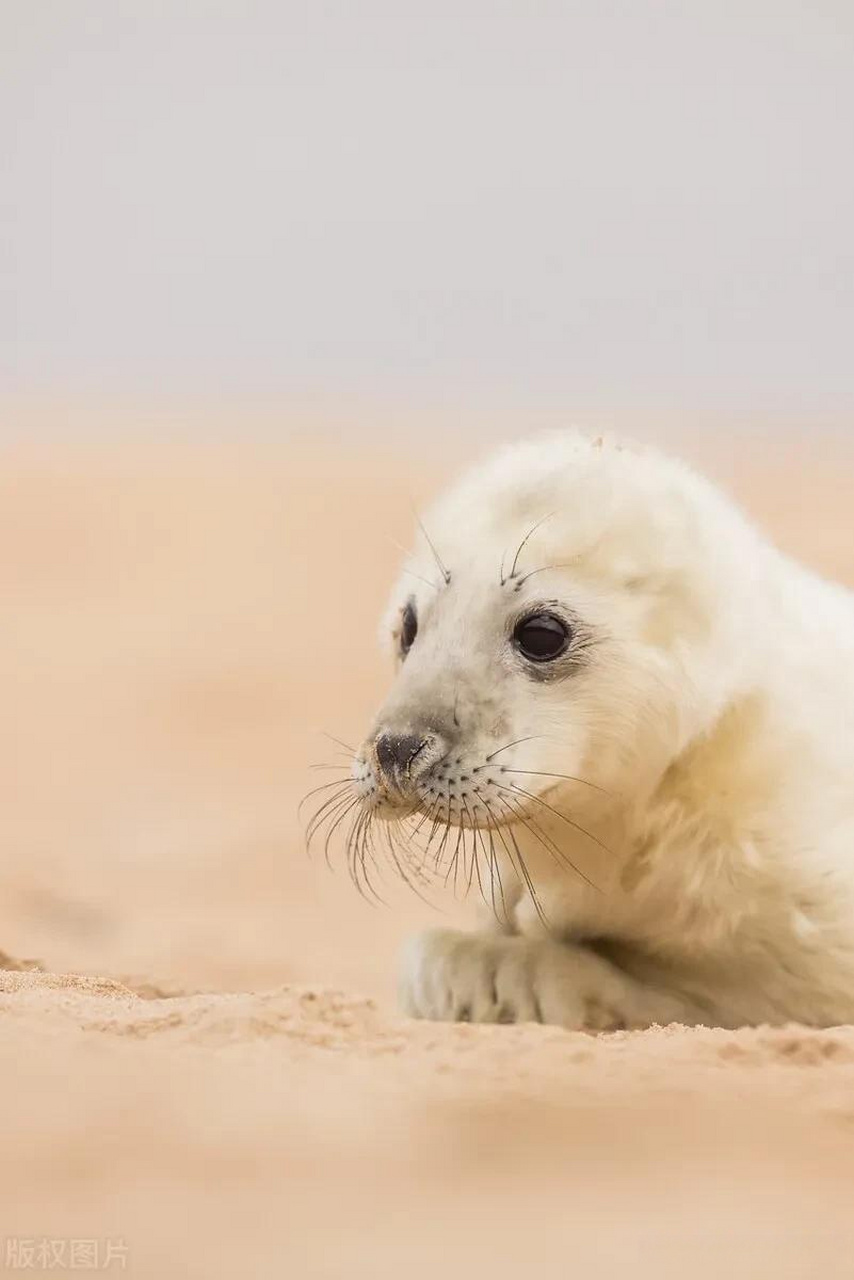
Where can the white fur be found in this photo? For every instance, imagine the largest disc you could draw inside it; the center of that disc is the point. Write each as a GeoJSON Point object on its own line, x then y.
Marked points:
{"type": "Point", "coordinates": [712, 709]}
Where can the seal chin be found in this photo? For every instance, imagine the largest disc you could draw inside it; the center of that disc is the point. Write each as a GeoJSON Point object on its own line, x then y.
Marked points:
{"type": "Point", "coordinates": [391, 809]}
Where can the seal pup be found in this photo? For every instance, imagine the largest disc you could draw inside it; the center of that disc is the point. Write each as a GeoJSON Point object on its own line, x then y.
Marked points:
{"type": "Point", "coordinates": [628, 720]}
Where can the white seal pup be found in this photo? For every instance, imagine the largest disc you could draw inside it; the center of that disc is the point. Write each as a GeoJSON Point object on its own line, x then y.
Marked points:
{"type": "Point", "coordinates": [630, 720]}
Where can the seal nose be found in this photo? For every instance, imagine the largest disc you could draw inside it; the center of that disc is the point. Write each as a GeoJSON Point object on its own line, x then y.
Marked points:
{"type": "Point", "coordinates": [403, 757]}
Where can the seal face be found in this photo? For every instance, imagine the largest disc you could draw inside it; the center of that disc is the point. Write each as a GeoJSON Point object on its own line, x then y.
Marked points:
{"type": "Point", "coordinates": [538, 639]}
{"type": "Point", "coordinates": [625, 718]}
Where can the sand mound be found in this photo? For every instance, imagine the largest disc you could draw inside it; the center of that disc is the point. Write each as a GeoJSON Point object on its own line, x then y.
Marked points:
{"type": "Point", "coordinates": [308, 1133]}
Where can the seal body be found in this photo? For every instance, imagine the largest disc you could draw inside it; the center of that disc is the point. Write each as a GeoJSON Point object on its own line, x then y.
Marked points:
{"type": "Point", "coordinates": [627, 720]}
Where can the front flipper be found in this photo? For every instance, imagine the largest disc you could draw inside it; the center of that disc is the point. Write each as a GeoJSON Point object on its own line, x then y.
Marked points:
{"type": "Point", "coordinates": [452, 976]}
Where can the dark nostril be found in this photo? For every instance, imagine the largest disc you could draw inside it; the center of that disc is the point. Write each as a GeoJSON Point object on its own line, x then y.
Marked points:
{"type": "Point", "coordinates": [396, 752]}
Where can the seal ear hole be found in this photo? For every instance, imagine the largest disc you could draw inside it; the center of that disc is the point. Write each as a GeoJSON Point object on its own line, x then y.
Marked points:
{"type": "Point", "coordinates": [638, 583]}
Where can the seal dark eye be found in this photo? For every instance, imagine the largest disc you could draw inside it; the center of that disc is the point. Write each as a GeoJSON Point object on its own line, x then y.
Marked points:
{"type": "Point", "coordinates": [541, 637]}
{"type": "Point", "coordinates": [408, 629]}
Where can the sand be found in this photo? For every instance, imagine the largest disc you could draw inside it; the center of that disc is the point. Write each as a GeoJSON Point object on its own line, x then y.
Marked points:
{"type": "Point", "coordinates": [203, 1073]}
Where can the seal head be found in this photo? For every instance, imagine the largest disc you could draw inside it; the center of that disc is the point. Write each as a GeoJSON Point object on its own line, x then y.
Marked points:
{"type": "Point", "coordinates": [573, 614]}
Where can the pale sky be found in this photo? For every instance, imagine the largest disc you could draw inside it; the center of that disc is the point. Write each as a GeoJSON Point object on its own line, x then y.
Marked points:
{"type": "Point", "coordinates": [592, 201]}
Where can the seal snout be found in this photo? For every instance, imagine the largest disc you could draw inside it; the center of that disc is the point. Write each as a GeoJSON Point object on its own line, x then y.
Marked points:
{"type": "Point", "coordinates": [403, 758]}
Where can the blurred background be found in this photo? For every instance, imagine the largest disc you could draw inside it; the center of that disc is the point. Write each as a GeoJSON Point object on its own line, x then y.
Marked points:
{"type": "Point", "coordinates": [269, 273]}
{"type": "Point", "coordinates": [602, 209]}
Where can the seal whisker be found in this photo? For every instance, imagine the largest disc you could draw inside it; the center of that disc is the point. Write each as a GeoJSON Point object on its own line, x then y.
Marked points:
{"type": "Point", "coordinates": [363, 850]}
{"type": "Point", "coordinates": [410, 573]}
{"type": "Point", "coordinates": [334, 815]}
{"type": "Point", "coordinates": [409, 836]}
{"type": "Point", "coordinates": [548, 844]}
{"type": "Point", "coordinates": [444, 572]}
{"type": "Point", "coordinates": [333, 827]}
{"type": "Point", "coordinates": [411, 854]}
{"type": "Point", "coordinates": [325, 786]}
{"type": "Point", "coordinates": [424, 818]}
{"type": "Point", "coordinates": [494, 873]}
{"type": "Point", "coordinates": [568, 777]}
{"type": "Point", "coordinates": [401, 869]}
{"type": "Point", "coordinates": [576, 827]}
{"type": "Point", "coordinates": [475, 861]}
{"type": "Point", "coordinates": [367, 849]}
{"type": "Point", "coordinates": [434, 809]}
{"type": "Point", "coordinates": [515, 743]}
{"type": "Point", "coordinates": [495, 862]}
{"type": "Point", "coordinates": [326, 812]}
{"type": "Point", "coordinates": [520, 865]}
{"type": "Point", "coordinates": [546, 568]}
{"type": "Point", "coordinates": [338, 742]}
{"type": "Point", "coordinates": [340, 785]}
{"type": "Point", "coordinates": [330, 803]}
{"type": "Point", "coordinates": [443, 842]}
{"type": "Point", "coordinates": [354, 862]}
{"type": "Point", "coordinates": [348, 846]}
{"type": "Point", "coordinates": [454, 863]}
{"type": "Point", "coordinates": [529, 534]}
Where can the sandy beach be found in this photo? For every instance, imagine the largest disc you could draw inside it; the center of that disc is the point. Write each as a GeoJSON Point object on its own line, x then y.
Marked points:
{"type": "Point", "coordinates": [203, 1071]}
